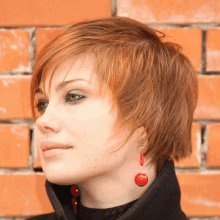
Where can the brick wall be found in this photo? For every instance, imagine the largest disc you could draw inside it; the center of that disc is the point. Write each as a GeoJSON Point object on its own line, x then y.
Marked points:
{"type": "Point", "coordinates": [25, 26]}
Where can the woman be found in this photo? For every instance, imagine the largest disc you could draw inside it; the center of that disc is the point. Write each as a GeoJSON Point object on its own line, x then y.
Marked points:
{"type": "Point", "coordinates": [119, 104]}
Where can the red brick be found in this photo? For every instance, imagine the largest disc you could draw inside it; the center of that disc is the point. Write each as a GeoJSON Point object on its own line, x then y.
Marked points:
{"type": "Point", "coordinates": [213, 153]}
{"type": "Point", "coordinates": [15, 147]}
{"type": "Point", "coordinates": [23, 195]}
{"type": "Point", "coordinates": [190, 40]}
{"type": "Point", "coordinates": [213, 49]}
{"type": "Point", "coordinates": [208, 106]}
{"type": "Point", "coordinates": [195, 158]}
{"type": "Point", "coordinates": [200, 194]}
{"type": "Point", "coordinates": [14, 49]}
{"type": "Point", "coordinates": [50, 12]}
{"type": "Point", "coordinates": [170, 11]}
{"type": "Point", "coordinates": [15, 103]}
{"type": "Point", "coordinates": [43, 36]}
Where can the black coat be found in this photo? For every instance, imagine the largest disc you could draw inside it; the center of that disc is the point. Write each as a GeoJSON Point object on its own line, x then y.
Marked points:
{"type": "Point", "coordinates": [161, 201]}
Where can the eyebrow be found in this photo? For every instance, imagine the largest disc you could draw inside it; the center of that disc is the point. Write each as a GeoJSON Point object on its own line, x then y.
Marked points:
{"type": "Point", "coordinates": [60, 85]}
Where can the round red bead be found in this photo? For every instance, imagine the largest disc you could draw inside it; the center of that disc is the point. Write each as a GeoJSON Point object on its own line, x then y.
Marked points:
{"type": "Point", "coordinates": [141, 179]}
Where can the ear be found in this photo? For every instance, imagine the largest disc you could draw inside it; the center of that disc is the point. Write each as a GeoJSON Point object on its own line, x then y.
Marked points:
{"type": "Point", "coordinates": [142, 135]}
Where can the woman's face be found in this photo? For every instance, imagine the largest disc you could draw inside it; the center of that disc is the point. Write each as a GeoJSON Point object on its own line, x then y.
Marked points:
{"type": "Point", "coordinates": [85, 125]}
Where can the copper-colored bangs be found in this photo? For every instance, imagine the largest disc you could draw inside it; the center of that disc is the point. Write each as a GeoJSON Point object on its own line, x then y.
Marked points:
{"type": "Point", "coordinates": [53, 65]}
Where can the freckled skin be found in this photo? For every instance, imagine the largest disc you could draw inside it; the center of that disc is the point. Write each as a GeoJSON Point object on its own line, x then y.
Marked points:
{"type": "Point", "coordinates": [86, 126]}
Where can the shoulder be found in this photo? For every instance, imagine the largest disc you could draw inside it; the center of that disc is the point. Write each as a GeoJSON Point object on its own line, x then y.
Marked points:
{"type": "Point", "coordinates": [49, 216]}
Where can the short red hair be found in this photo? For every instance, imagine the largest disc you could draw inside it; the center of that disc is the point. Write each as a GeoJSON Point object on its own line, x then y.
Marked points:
{"type": "Point", "coordinates": [152, 82]}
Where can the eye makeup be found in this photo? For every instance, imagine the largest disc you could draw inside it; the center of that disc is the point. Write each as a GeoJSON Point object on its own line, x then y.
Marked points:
{"type": "Point", "coordinates": [72, 97]}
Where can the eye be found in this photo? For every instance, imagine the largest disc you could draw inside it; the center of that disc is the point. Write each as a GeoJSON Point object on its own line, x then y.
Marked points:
{"type": "Point", "coordinates": [39, 104]}
{"type": "Point", "coordinates": [72, 97]}
{"type": "Point", "coordinates": [69, 98]}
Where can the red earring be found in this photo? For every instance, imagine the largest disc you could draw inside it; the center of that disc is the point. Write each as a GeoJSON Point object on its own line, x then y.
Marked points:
{"type": "Point", "coordinates": [141, 179]}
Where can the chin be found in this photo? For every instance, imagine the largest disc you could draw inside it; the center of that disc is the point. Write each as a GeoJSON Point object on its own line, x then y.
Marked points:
{"type": "Point", "coordinates": [61, 176]}
{"type": "Point", "coordinates": [59, 179]}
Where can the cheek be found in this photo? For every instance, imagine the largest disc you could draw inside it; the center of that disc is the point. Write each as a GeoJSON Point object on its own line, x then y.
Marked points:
{"type": "Point", "coordinates": [97, 161]}
{"type": "Point", "coordinates": [92, 123]}
{"type": "Point", "coordinates": [38, 137]}
{"type": "Point", "coordinates": [94, 110]}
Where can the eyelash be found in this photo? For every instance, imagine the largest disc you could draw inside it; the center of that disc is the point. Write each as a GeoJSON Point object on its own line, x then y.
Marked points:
{"type": "Point", "coordinates": [40, 109]}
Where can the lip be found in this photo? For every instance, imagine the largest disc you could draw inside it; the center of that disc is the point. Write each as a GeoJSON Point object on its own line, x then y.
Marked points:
{"type": "Point", "coordinates": [54, 153]}
{"type": "Point", "coordinates": [49, 145]}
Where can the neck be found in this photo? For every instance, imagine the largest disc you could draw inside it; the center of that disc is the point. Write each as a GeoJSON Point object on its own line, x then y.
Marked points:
{"type": "Point", "coordinates": [115, 188]}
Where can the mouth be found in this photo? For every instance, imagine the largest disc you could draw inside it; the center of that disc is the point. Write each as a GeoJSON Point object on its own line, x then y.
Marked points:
{"type": "Point", "coordinates": [50, 145]}
{"type": "Point", "coordinates": [52, 148]}
{"type": "Point", "coordinates": [54, 152]}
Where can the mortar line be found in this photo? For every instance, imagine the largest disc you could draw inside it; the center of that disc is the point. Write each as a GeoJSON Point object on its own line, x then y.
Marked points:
{"type": "Point", "coordinates": [203, 26]}
{"type": "Point", "coordinates": [204, 58]}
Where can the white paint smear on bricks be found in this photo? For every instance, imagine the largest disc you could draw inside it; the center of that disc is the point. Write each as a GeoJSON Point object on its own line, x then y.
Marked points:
{"type": "Point", "coordinates": [198, 144]}
{"type": "Point", "coordinates": [23, 68]}
{"type": "Point", "coordinates": [204, 13]}
{"type": "Point", "coordinates": [213, 54]}
{"type": "Point", "coordinates": [6, 82]}
{"type": "Point", "coordinates": [14, 47]}
{"type": "Point", "coordinates": [126, 9]}
{"type": "Point", "coordinates": [14, 33]}
{"type": "Point", "coordinates": [203, 201]}
{"type": "Point", "coordinates": [20, 132]}
{"type": "Point", "coordinates": [142, 11]}
{"type": "Point", "coordinates": [3, 110]}
{"type": "Point", "coordinates": [213, 57]}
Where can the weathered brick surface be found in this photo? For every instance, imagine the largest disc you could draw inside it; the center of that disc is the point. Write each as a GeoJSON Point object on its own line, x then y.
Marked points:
{"type": "Point", "coordinates": [23, 195]}
{"type": "Point", "coordinates": [208, 106]}
{"type": "Point", "coordinates": [15, 103]}
{"type": "Point", "coordinates": [213, 153]}
{"type": "Point", "coordinates": [43, 36]}
{"type": "Point", "coordinates": [200, 194]}
{"type": "Point", "coordinates": [213, 49]}
{"type": "Point", "coordinates": [50, 12]}
{"type": "Point", "coordinates": [14, 150]}
{"type": "Point", "coordinates": [172, 11]}
{"type": "Point", "coordinates": [14, 50]}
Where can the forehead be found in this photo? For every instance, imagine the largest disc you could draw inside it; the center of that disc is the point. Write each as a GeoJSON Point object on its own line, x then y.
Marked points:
{"type": "Point", "coordinates": [69, 70]}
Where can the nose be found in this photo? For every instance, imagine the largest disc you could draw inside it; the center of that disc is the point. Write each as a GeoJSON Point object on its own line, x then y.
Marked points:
{"type": "Point", "coordinates": [48, 122]}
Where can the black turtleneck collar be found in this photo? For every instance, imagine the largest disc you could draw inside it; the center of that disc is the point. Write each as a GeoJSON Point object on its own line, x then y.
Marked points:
{"type": "Point", "coordinates": [160, 201]}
